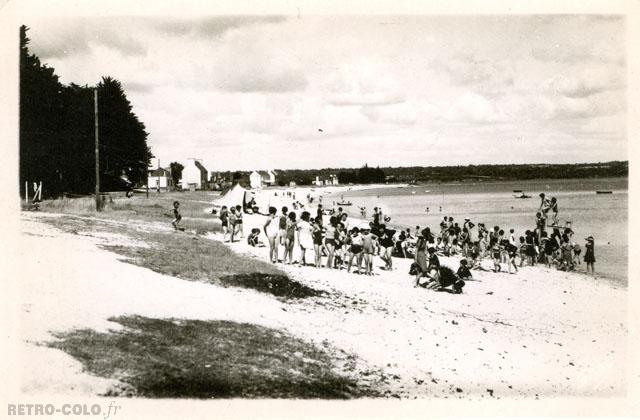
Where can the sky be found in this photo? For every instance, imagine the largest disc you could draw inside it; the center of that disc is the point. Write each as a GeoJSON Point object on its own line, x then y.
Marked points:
{"type": "Point", "coordinates": [260, 92]}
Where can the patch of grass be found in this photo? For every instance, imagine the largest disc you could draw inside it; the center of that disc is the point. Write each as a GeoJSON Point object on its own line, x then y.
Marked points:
{"type": "Point", "coordinates": [276, 284]}
{"type": "Point", "coordinates": [191, 257]}
{"type": "Point", "coordinates": [211, 359]}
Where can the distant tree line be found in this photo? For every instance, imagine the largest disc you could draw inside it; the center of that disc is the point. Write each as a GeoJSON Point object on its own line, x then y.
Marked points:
{"type": "Point", "coordinates": [57, 132]}
{"type": "Point", "coordinates": [366, 174]}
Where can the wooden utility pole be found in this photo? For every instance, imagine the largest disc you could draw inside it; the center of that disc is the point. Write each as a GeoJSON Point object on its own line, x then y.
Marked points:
{"type": "Point", "coordinates": [97, 150]}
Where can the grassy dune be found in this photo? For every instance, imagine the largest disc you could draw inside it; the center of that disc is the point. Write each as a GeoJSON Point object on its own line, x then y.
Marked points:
{"type": "Point", "coordinates": [168, 358]}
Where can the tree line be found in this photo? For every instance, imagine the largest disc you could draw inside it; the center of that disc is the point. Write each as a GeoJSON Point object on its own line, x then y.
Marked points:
{"type": "Point", "coordinates": [57, 132]}
{"type": "Point", "coordinates": [367, 175]}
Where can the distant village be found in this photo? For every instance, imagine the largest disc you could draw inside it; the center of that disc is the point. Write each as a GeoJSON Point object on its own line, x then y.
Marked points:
{"type": "Point", "coordinates": [195, 176]}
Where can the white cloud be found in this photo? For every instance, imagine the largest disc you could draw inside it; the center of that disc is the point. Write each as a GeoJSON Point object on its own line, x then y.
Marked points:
{"type": "Point", "coordinates": [256, 91]}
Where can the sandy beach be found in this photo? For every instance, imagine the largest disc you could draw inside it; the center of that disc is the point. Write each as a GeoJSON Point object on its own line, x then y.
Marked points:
{"type": "Point", "coordinates": [540, 333]}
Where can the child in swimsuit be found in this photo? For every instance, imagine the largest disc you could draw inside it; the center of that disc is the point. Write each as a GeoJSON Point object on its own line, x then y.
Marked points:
{"type": "Point", "coordinates": [369, 249]}
{"type": "Point", "coordinates": [289, 237]}
{"type": "Point", "coordinates": [590, 256]}
{"type": "Point", "coordinates": [239, 229]}
{"type": "Point", "coordinates": [355, 250]}
{"type": "Point", "coordinates": [271, 231]}
{"type": "Point", "coordinates": [177, 217]}
{"type": "Point", "coordinates": [224, 221]}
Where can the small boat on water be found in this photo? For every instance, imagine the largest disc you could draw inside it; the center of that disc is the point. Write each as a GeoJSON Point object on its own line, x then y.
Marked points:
{"type": "Point", "coordinates": [604, 192]}
{"type": "Point", "coordinates": [427, 191]}
{"type": "Point", "coordinates": [523, 195]}
{"type": "Point", "coordinates": [517, 191]}
{"type": "Point", "coordinates": [344, 203]}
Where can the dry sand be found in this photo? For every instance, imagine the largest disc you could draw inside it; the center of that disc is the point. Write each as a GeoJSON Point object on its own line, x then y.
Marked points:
{"type": "Point", "coordinates": [538, 333]}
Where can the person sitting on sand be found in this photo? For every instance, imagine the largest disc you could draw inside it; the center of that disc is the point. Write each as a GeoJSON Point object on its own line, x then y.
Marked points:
{"type": "Point", "coordinates": [177, 217]}
{"type": "Point", "coordinates": [253, 238]}
{"type": "Point", "coordinates": [433, 270]}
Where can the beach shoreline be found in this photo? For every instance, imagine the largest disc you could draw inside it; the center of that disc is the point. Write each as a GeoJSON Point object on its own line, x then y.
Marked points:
{"type": "Point", "coordinates": [537, 334]}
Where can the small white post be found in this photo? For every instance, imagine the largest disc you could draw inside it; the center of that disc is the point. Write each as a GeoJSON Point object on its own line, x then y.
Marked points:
{"type": "Point", "coordinates": [26, 191]}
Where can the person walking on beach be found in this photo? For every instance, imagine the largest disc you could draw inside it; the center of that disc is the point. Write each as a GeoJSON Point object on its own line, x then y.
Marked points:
{"type": "Point", "coordinates": [271, 232]}
{"type": "Point", "coordinates": [305, 236]}
{"type": "Point", "coordinates": [590, 256]}
{"type": "Point", "coordinates": [177, 217]}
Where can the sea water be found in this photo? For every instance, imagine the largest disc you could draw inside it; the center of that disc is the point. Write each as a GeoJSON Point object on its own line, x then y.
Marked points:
{"type": "Point", "coordinates": [603, 216]}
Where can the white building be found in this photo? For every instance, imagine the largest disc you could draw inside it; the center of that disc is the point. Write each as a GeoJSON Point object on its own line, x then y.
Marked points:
{"type": "Point", "coordinates": [255, 179]}
{"type": "Point", "coordinates": [160, 179]}
{"type": "Point", "coordinates": [258, 179]}
{"type": "Point", "coordinates": [194, 175]}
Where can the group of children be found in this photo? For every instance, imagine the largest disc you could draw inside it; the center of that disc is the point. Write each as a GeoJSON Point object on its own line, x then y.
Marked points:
{"type": "Point", "coordinates": [343, 247]}
{"type": "Point", "coordinates": [335, 241]}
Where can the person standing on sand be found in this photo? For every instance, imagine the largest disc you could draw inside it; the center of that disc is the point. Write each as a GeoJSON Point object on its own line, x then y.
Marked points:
{"type": "Point", "coordinates": [232, 223]}
{"type": "Point", "coordinates": [239, 230]}
{"type": "Point", "coordinates": [355, 250]}
{"type": "Point", "coordinates": [305, 238]}
{"type": "Point", "coordinates": [368, 249]}
{"type": "Point", "coordinates": [590, 256]}
{"type": "Point", "coordinates": [554, 210]}
{"type": "Point", "coordinates": [330, 240]}
{"type": "Point", "coordinates": [271, 232]}
{"type": "Point", "coordinates": [421, 256]}
{"type": "Point", "coordinates": [281, 240]}
{"type": "Point", "coordinates": [316, 231]}
{"type": "Point", "coordinates": [290, 237]}
{"type": "Point", "coordinates": [224, 222]}
{"type": "Point", "coordinates": [387, 244]}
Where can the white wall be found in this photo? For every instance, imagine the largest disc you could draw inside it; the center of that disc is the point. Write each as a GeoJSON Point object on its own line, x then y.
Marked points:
{"type": "Point", "coordinates": [191, 175]}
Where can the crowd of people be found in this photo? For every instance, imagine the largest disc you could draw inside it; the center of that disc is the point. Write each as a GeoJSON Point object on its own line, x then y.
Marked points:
{"type": "Point", "coordinates": [334, 244]}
